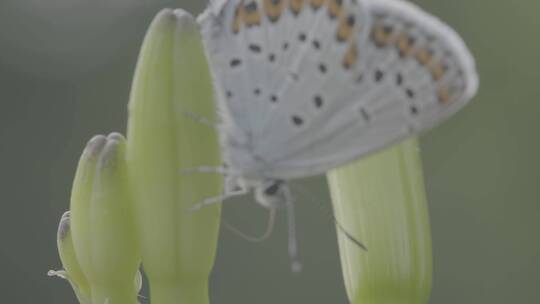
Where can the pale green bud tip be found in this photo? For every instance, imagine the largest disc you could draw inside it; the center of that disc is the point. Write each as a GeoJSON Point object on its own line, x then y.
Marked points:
{"type": "Point", "coordinates": [184, 20]}
{"type": "Point", "coordinates": [64, 226]}
{"type": "Point", "coordinates": [112, 150]}
{"type": "Point", "coordinates": [94, 146]}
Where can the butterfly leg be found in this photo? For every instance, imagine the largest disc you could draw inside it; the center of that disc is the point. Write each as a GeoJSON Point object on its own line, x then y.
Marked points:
{"type": "Point", "coordinates": [218, 199]}
{"type": "Point", "coordinates": [250, 238]}
{"type": "Point", "coordinates": [296, 265]}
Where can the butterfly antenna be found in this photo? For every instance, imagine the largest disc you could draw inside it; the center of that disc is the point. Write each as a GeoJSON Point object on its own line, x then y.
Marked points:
{"type": "Point", "coordinates": [296, 265]}
{"type": "Point", "coordinates": [255, 239]}
{"type": "Point", "coordinates": [330, 215]}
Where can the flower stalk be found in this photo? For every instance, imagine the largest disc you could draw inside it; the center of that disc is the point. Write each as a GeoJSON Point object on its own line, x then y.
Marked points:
{"type": "Point", "coordinates": [96, 240]}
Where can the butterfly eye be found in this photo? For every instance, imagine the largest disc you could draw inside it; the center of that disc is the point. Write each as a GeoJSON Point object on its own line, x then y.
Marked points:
{"type": "Point", "coordinates": [274, 188]}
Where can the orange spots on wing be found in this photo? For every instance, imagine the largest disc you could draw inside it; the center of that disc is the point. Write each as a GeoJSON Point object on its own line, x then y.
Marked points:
{"type": "Point", "coordinates": [443, 94]}
{"type": "Point", "coordinates": [351, 57]}
{"type": "Point", "coordinates": [381, 35]}
{"type": "Point", "coordinates": [437, 70]}
{"type": "Point", "coordinates": [335, 8]}
{"type": "Point", "coordinates": [345, 28]}
{"type": "Point", "coordinates": [238, 17]}
{"type": "Point", "coordinates": [296, 6]}
{"type": "Point", "coordinates": [252, 15]}
{"type": "Point", "coordinates": [405, 45]}
{"type": "Point", "coordinates": [274, 9]}
{"type": "Point", "coordinates": [424, 56]}
{"type": "Point", "coordinates": [316, 4]}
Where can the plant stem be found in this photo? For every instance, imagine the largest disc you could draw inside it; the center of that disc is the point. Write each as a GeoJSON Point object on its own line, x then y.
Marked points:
{"type": "Point", "coordinates": [179, 291]}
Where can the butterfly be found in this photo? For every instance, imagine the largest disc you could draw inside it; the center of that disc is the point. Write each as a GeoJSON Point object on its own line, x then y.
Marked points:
{"type": "Point", "coordinates": [304, 86]}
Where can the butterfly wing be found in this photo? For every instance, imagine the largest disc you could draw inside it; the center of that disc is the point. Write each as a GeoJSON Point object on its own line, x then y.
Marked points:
{"type": "Point", "coordinates": [395, 73]}
{"type": "Point", "coordinates": [261, 51]}
{"type": "Point", "coordinates": [418, 73]}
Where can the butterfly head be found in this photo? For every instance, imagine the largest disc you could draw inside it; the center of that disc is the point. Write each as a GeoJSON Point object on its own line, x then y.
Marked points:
{"type": "Point", "coordinates": [272, 193]}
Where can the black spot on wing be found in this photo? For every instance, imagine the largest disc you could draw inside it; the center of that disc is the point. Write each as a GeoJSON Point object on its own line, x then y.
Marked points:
{"type": "Point", "coordinates": [365, 114]}
{"type": "Point", "coordinates": [410, 93]}
{"type": "Point", "coordinates": [323, 68]}
{"type": "Point", "coordinates": [399, 79]}
{"type": "Point", "coordinates": [378, 75]}
{"type": "Point", "coordinates": [235, 62]}
{"type": "Point", "coordinates": [318, 101]}
{"type": "Point", "coordinates": [255, 48]}
{"type": "Point", "coordinates": [297, 120]}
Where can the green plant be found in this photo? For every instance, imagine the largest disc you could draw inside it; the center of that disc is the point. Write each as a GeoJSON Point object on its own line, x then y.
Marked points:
{"type": "Point", "coordinates": [130, 202]}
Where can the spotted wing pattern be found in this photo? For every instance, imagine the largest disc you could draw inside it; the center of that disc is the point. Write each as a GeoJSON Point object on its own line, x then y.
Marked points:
{"type": "Point", "coordinates": [312, 84]}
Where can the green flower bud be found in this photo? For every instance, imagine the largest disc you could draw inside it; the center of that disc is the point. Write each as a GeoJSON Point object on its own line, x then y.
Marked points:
{"type": "Point", "coordinates": [72, 270]}
{"type": "Point", "coordinates": [381, 201]}
{"type": "Point", "coordinates": [172, 82]}
{"type": "Point", "coordinates": [104, 258]}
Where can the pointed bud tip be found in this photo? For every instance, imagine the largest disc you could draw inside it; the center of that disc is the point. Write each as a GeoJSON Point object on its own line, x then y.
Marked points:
{"type": "Point", "coordinates": [116, 136]}
{"type": "Point", "coordinates": [111, 152]}
{"type": "Point", "coordinates": [64, 226]}
{"type": "Point", "coordinates": [185, 20]}
{"type": "Point", "coordinates": [95, 145]}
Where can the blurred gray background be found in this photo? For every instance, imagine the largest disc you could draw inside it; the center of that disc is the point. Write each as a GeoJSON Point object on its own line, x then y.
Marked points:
{"type": "Point", "coordinates": [65, 73]}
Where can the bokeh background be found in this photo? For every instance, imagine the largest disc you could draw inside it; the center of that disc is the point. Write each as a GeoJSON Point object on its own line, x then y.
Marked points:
{"type": "Point", "coordinates": [65, 73]}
